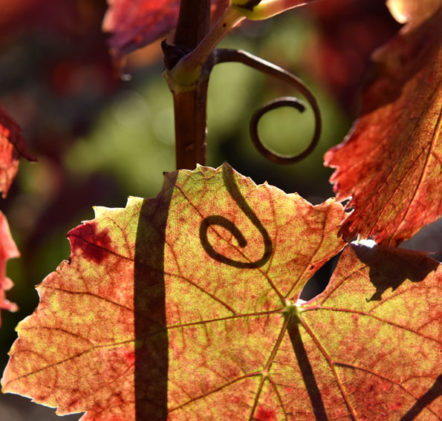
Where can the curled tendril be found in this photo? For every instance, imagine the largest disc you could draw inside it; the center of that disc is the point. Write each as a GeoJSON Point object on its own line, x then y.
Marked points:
{"type": "Point", "coordinates": [219, 220]}
{"type": "Point", "coordinates": [223, 55]}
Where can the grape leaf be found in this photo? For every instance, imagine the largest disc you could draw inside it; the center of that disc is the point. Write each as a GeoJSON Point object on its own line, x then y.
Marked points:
{"type": "Point", "coordinates": [8, 250]}
{"type": "Point", "coordinates": [183, 307]}
{"type": "Point", "coordinates": [136, 23]}
{"type": "Point", "coordinates": [379, 323]}
{"type": "Point", "coordinates": [12, 147]}
{"type": "Point", "coordinates": [391, 162]}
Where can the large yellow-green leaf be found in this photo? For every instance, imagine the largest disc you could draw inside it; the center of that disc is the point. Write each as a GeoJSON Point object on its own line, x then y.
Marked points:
{"type": "Point", "coordinates": [390, 164]}
{"type": "Point", "coordinates": [183, 307]}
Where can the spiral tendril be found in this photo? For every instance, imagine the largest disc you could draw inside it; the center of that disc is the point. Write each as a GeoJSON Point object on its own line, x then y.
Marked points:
{"type": "Point", "coordinates": [223, 55]}
{"type": "Point", "coordinates": [219, 220]}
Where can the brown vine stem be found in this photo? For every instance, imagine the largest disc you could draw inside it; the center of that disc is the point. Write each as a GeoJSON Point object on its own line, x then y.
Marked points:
{"type": "Point", "coordinates": [190, 105]}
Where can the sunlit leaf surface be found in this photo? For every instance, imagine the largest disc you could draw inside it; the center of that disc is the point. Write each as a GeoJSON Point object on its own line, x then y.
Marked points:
{"type": "Point", "coordinates": [184, 307]}
{"type": "Point", "coordinates": [411, 11]}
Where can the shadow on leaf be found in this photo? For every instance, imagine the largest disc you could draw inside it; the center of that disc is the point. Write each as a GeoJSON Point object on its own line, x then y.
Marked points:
{"type": "Point", "coordinates": [432, 394]}
{"type": "Point", "coordinates": [151, 341]}
{"type": "Point", "coordinates": [233, 189]}
{"type": "Point", "coordinates": [307, 372]}
{"type": "Point", "coordinates": [390, 267]}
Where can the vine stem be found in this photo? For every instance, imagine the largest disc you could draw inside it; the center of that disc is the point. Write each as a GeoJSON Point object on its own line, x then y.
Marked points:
{"type": "Point", "coordinates": [189, 62]}
{"type": "Point", "coordinates": [190, 105]}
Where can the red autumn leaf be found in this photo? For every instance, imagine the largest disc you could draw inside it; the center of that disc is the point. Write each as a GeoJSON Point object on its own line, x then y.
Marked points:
{"type": "Point", "coordinates": [391, 162]}
{"type": "Point", "coordinates": [183, 307]}
{"type": "Point", "coordinates": [8, 250]}
{"type": "Point", "coordinates": [136, 23]}
{"type": "Point", "coordinates": [379, 323]}
{"type": "Point", "coordinates": [12, 147]}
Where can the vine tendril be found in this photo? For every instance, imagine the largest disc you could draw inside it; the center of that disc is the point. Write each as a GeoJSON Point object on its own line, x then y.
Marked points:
{"type": "Point", "coordinates": [223, 55]}
{"type": "Point", "coordinates": [229, 55]}
{"type": "Point", "coordinates": [219, 220]}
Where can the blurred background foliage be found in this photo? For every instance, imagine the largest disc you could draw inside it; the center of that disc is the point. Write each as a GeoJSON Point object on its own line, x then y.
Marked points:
{"type": "Point", "coordinates": [101, 132]}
